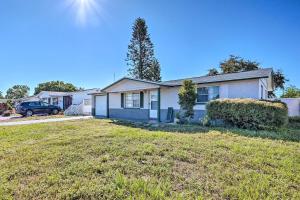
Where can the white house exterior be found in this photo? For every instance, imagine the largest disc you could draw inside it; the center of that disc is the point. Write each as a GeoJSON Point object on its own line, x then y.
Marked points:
{"type": "Point", "coordinates": [79, 100]}
{"type": "Point", "coordinates": [135, 99]}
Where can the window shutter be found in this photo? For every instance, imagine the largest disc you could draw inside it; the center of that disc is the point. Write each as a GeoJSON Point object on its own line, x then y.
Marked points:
{"type": "Point", "coordinates": [142, 99]}
{"type": "Point", "coordinates": [122, 100]}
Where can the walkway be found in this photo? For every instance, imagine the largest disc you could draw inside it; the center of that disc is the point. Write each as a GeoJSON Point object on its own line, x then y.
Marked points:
{"type": "Point", "coordinates": [43, 121]}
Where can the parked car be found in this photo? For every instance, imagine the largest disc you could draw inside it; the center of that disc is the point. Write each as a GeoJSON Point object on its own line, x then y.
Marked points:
{"type": "Point", "coordinates": [36, 107]}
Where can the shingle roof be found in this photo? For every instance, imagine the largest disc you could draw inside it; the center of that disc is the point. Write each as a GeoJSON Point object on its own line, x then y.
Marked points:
{"type": "Point", "coordinates": [260, 73]}
{"type": "Point", "coordinates": [254, 74]}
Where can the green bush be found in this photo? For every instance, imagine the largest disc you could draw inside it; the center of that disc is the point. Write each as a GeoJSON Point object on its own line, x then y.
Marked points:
{"type": "Point", "coordinates": [295, 119]}
{"type": "Point", "coordinates": [248, 113]}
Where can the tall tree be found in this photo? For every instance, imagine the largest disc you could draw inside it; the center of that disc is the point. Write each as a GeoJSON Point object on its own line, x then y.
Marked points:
{"type": "Point", "coordinates": [291, 92]}
{"type": "Point", "coordinates": [187, 97]}
{"type": "Point", "coordinates": [57, 86]}
{"type": "Point", "coordinates": [153, 72]}
{"type": "Point", "coordinates": [140, 55]}
{"type": "Point", "coordinates": [238, 64]}
{"type": "Point", "coordinates": [17, 92]}
{"type": "Point", "coordinates": [1, 95]}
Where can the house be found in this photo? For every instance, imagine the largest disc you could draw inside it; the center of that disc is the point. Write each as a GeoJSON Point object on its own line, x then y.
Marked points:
{"type": "Point", "coordinates": [136, 99]}
{"type": "Point", "coordinates": [64, 100]}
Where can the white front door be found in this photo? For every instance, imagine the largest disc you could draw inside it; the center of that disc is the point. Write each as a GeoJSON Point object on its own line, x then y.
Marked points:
{"type": "Point", "coordinates": [153, 104]}
{"type": "Point", "coordinates": [100, 106]}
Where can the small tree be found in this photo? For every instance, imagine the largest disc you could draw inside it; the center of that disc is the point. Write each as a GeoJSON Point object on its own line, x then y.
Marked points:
{"type": "Point", "coordinates": [187, 98]}
{"type": "Point", "coordinates": [1, 95]}
{"type": "Point", "coordinates": [17, 92]}
{"type": "Point", "coordinates": [291, 92]}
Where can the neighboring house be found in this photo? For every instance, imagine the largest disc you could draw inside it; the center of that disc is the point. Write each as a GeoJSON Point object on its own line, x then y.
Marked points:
{"type": "Point", "coordinates": [64, 100]}
{"type": "Point", "coordinates": [135, 99]}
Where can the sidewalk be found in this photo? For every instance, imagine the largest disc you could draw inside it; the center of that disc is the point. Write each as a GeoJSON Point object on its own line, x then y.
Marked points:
{"type": "Point", "coordinates": [43, 121]}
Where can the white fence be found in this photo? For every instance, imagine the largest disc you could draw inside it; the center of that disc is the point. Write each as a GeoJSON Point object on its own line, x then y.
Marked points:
{"type": "Point", "coordinates": [293, 105]}
{"type": "Point", "coordinates": [79, 109]}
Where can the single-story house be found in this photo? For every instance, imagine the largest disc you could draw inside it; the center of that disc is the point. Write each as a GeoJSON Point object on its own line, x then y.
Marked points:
{"type": "Point", "coordinates": [136, 99]}
{"type": "Point", "coordinates": [65, 99]}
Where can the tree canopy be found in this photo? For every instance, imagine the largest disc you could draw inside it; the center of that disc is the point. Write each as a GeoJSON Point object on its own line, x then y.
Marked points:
{"type": "Point", "coordinates": [57, 86]}
{"type": "Point", "coordinates": [212, 72]}
{"type": "Point", "coordinates": [17, 92]}
{"type": "Point", "coordinates": [291, 92]}
{"type": "Point", "coordinates": [140, 55]}
{"type": "Point", "coordinates": [238, 64]}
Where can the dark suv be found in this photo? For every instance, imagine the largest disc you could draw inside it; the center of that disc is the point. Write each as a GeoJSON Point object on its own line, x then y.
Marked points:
{"type": "Point", "coordinates": [36, 107]}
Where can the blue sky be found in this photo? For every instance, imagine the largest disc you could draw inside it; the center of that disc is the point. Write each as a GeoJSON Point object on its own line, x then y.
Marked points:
{"type": "Point", "coordinates": [44, 40]}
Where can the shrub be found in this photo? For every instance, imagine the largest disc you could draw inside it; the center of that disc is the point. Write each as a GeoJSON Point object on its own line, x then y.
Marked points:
{"type": "Point", "coordinates": [295, 119]}
{"type": "Point", "coordinates": [248, 113]}
{"type": "Point", "coordinates": [187, 98]}
{"type": "Point", "coordinates": [6, 113]}
{"type": "Point", "coordinates": [3, 107]}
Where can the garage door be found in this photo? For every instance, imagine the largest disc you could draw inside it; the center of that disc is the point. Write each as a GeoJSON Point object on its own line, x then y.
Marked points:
{"type": "Point", "coordinates": [100, 106]}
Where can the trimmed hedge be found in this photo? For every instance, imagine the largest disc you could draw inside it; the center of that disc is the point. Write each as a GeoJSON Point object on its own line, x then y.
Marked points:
{"type": "Point", "coordinates": [248, 113]}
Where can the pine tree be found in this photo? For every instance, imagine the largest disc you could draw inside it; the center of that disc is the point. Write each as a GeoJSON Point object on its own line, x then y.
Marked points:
{"type": "Point", "coordinates": [153, 72]}
{"type": "Point", "coordinates": [140, 56]}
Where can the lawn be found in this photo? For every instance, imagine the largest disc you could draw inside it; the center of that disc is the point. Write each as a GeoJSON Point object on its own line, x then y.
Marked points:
{"type": "Point", "coordinates": [101, 159]}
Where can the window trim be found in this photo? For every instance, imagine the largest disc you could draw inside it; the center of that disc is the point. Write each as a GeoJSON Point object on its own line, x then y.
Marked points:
{"type": "Point", "coordinates": [56, 103]}
{"type": "Point", "coordinates": [208, 94]}
{"type": "Point", "coordinates": [138, 100]}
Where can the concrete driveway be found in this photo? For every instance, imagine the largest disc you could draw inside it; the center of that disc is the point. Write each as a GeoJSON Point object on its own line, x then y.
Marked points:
{"type": "Point", "coordinates": [43, 121]}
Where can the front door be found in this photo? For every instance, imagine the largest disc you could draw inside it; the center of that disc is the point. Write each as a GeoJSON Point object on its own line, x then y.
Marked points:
{"type": "Point", "coordinates": [67, 101]}
{"type": "Point", "coordinates": [101, 106]}
{"type": "Point", "coordinates": [153, 104]}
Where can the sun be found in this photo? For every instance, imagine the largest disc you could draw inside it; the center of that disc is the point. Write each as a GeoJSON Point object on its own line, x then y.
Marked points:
{"type": "Point", "coordinates": [86, 11]}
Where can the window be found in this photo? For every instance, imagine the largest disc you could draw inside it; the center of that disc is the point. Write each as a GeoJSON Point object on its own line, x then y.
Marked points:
{"type": "Point", "coordinates": [45, 99]}
{"type": "Point", "coordinates": [34, 104]}
{"type": "Point", "coordinates": [44, 104]}
{"type": "Point", "coordinates": [55, 101]}
{"type": "Point", "coordinates": [205, 94]}
{"type": "Point", "coordinates": [87, 102]}
{"type": "Point", "coordinates": [132, 100]}
{"type": "Point", "coordinates": [262, 92]}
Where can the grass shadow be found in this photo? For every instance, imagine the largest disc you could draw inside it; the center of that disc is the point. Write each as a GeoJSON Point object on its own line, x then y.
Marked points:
{"type": "Point", "coordinates": [162, 126]}
{"type": "Point", "coordinates": [286, 134]}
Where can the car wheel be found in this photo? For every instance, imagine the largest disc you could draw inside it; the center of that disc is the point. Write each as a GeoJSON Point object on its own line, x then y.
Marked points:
{"type": "Point", "coordinates": [55, 112]}
{"type": "Point", "coordinates": [29, 113]}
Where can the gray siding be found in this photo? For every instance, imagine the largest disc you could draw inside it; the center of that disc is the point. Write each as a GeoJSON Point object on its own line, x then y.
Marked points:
{"type": "Point", "coordinates": [129, 113]}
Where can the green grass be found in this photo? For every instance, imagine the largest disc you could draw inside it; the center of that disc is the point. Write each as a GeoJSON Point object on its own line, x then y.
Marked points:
{"type": "Point", "coordinates": [99, 159]}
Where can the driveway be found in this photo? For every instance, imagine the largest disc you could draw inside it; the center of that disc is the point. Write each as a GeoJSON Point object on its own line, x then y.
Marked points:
{"type": "Point", "coordinates": [43, 121]}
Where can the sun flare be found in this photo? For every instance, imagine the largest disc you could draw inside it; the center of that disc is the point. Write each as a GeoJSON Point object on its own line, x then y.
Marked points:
{"type": "Point", "coordinates": [86, 11]}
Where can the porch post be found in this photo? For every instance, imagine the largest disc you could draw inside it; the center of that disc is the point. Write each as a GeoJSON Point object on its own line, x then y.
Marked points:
{"type": "Point", "coordinates": [107, 105]}
{"type": "Point", "coordinates": [93, 105]}
{"type": "Point", "coordinates": [158, 106]}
